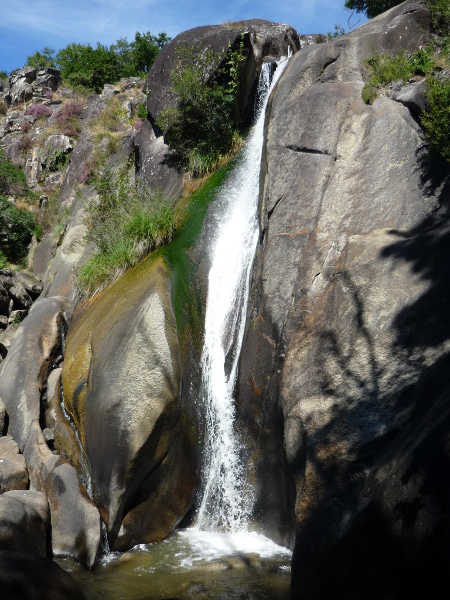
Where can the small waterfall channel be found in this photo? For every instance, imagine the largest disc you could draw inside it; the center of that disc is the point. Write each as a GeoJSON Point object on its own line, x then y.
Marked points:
{"type": "Point", "coordinates": [227, 499]}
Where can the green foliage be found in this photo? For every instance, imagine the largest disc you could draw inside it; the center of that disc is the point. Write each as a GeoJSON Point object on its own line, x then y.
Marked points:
{"type": "Point", "coordinates": [12, 179]}
{"type": "Point", "coordinates": [83, 66]}
{"type": "Point", "coordinates": [436, 121]}
{"type": "Point", "coordinates": [56, 160]}
{"type": "Point", "coordinates": [428, 62]}
{"type": "Point", "coordinates": [201, 128]}
{"type": "Point", "coordinates": [40, 60]}
{"type": "Point", "coordinates": [4, 75]}
{"type": "Point", "coordinates": [126, 223]}
{"type": "Point", "coordinates": [3, 260]}
{"type": "Point", "coordinates": [440, 16]}
{"type": "Point", "coordinates": [16, 230]}
{"type": "Point", "coordinates": [338, 32]}
{"type": "Point", "coordinates": [371, 8]}
{"type": "Point", "coordinates": [383, 70]}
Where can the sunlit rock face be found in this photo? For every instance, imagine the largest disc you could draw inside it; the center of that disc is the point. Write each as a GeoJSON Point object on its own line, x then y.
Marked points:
{"type": "Point", "coordinates": [346, 352]}
{"type": "Point", "coordinates": [122, 383]}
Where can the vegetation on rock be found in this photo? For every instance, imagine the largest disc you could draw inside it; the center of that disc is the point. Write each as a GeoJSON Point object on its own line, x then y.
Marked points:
{"type": "Point", "coordinates": [430, 62]}
{"type": "Point", "coordinates": [201, 128]}
{"type": "Point", "coordinates": [128, 221]}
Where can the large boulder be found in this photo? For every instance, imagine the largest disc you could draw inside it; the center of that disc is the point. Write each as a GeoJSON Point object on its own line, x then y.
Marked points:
{"type": "Point", "coordinates": [35, 578]}
{"type": "Point", "coordinates": [75, 521]}
{"type": "Point", "coordinates": [347, 348]}
{"type": "Point", "coordinates": [24, 522]}
{"type": "Point", "coordinates": [263, 40]}
{"type": "Point", "coordinates": [122, 383]}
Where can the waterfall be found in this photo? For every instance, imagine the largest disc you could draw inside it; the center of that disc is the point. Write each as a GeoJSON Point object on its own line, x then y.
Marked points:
{"type": "Point", "coordinates": [227, 500]}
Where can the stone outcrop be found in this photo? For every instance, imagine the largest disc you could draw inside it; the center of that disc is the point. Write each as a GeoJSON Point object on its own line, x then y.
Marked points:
{"type": "Point", "coordinates": [24, 522]}
{"type": "Point", "coordinates": [26, 83]}
{"type": "Point", "coordinates": [121, 381]}
{"type": "Point", "coordinates": [263, 41]}
{"type": "Point", "coordinates": [13, 469]}
{"type": "Point", "coordinates": [347, 350]}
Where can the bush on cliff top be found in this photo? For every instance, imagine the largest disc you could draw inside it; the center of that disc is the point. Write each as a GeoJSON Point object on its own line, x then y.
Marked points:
{"type": "Point", "coordinates": [83, 66]}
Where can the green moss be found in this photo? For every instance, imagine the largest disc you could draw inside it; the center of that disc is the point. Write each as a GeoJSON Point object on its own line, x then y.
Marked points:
{"type": "Point", "coordinates": [187, 300]}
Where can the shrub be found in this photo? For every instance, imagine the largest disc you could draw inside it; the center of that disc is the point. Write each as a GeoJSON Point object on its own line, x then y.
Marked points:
{"type": "Point", "coordinates": [436, 120]}
{"type": "Point", "coordinates": [200, 129]}
{"type": "Point", "coordinates": [38, 111]}
{"type": "Point", "coordinates": [126, 222]}
{"type": "Point", "coordinates": [40, 60]}
{"type": "Point", "coordinates": [337, 33]}
{"type": "Point", "coordinates": [87, 170]}
{"type": "Point", "coordinates": [24, 144]}
{"type": "Point", "coordinates": [12, 179]}
{"type": "Point", "coordinates": [3, 260]}
{"type": "Point", "coordinates": [56, 160]}
{"type": "Point", "coordinates": [67, 118]}
{"type": "Point", "coordinates": [17, 227]}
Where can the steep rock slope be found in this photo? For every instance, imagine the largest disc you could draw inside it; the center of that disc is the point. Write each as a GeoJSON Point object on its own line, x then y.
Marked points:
{"type": "Point", "coordinates": [347, 349]}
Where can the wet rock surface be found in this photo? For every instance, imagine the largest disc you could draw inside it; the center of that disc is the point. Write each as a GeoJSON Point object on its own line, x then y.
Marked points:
{"type": "Point", "coordinates": [34, 578]}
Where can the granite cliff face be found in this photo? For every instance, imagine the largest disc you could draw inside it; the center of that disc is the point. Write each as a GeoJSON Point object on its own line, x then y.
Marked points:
{"type": "Point", "coordinates": [347, 347]}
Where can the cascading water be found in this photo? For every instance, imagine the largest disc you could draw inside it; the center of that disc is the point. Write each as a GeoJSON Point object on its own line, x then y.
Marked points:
{"type": "Point", "coordinates": [178, 565]}
{"type": "Point", "coordinates": [227, 499]}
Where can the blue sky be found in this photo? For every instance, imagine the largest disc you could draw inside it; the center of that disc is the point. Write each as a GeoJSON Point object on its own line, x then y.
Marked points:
{"type": "Point", "coordinates": [30, 25]}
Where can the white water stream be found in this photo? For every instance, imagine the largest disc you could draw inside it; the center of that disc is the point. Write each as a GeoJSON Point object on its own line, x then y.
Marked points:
{"type": "Point", "coordinates": [227, 499]}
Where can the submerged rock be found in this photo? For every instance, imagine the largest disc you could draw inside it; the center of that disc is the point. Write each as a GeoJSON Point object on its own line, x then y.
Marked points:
{"type": "Point", "coordinates": [34, 578]}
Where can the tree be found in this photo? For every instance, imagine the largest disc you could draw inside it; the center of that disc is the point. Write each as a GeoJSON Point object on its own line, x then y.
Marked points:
{"type": "Point", "coordinates": [146, 48]}
{"type": "Point", "coordinates": [41, 60]}
{"type": "Point", "coordinates": [371, 8]}
{"type": "Point", "coordinates": [81, 65]}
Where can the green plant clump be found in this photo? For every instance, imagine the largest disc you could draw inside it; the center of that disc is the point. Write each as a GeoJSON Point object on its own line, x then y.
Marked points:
{"type": "Point", "coordinates": [126, 223]}
{"type": "Point", "coordinates": [436, 120]}
{"type": "Point", "coordinates": [17, 227]}
{"type": "Point", "coordinates": [202, 127]}
{"type": "Point", "coordinates": [12, 179]}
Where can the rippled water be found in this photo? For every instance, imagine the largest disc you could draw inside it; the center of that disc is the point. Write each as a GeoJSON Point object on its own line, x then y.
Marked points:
{"type": "Point", "coordinates": [191, 565]}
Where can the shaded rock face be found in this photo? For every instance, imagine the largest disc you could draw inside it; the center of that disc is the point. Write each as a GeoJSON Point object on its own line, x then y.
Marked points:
{"type": "Point", "coordinates": [263, 40]}
{"type": "Point", "coordinates": [24, 522]}
{"type": "Point", "coordinates": [34, 578]}
{"type": "Point", "coordinates": [121, 383]}
{"type": "Point", "coordinates": [346, 351]}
